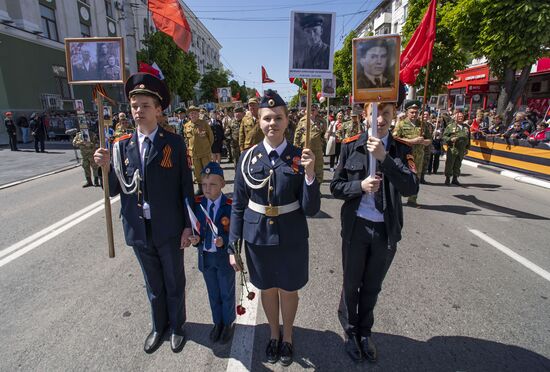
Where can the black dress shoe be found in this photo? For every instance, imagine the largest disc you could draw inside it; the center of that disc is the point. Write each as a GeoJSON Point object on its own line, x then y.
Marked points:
{"type": "Point", "coordinates": [369, 349]}
{"type": "Point", "coordinates": [455, 181]}
{"type": "Point", "coordinates": [216, 332]}
{"type": "Point", "coordinates": [447, 181]}
{"type": "Point", "coordinates": [177, 341]}
{"type": "Point", "coordinates": [272, 351]}
{"type": "Point", "coordinates": [353, 348]}
{"type": "Point", "coordinates": [152, 342]}
{"type": "Point", "coordinates": [227, 333]}
{"type": "Point", "coordinates": [286, 354]}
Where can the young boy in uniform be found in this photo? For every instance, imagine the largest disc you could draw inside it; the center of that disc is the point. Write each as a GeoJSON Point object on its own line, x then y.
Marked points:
{"type": "Point", "coordinates": [213, 256]}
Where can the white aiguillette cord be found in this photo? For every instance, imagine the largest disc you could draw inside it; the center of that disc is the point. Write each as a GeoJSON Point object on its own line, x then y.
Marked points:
{"type": "Point", "coordinates": [247, 160]}
{"type": "Point", "coordinates": [127, 188]}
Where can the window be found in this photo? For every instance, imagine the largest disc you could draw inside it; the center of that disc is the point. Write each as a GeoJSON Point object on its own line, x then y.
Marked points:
{"type": "Point", "coordinates": [405, 14]}
{"type": "Point", "coordinates": [49, 25]}
{"type": "Point", "coordinates": [109, 8]}
{"type": "Point", "coordinates": [395, 25]}
{"type": "Point", "coordinates": [85, 30]}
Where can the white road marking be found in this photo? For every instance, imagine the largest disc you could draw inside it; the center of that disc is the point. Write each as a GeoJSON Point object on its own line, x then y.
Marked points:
{"type": "Point", "coordinates": [15, 183]}
{"type": "Point", "coordinates": [242, 347]}
{"type": "Point", "coordinates": [510, 253]}
{"type": "Point", "coordinates": [28, 244]}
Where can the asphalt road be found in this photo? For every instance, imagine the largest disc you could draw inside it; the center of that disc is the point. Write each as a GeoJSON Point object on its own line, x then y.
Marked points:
{"type": "Point", "coordinates": [451, 300]}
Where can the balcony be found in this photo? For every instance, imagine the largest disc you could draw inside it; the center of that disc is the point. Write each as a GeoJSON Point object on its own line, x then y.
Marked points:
{"type": "Point", "coordinates": [381, 19]}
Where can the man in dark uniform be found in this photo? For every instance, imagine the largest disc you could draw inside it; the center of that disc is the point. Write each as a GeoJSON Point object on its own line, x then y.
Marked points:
{"type": "Point", "coordinates": [153, 162]}
{"type": "Point", "coordinates": [373, 71]}
{"type": "Point", "coordinates": [316, 54]}
{"type": "Point", "coordinates": [372, 217]}
{"type": "Point", "coordinates": [11, 129]}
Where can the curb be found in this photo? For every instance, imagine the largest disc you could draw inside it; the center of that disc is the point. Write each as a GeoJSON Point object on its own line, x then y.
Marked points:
{"type": "Point", "coordinates": [15, 183]}
{"type": "Point", "coordinates": [506, 173]}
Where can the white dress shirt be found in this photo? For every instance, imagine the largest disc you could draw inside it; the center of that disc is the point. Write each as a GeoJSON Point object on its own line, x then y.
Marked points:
{"type": "Point", "coordinates": [211, 246]}
{"type": "Point", "coordinates": [280, 149]}
{"type": "Point", "coordinates": [367, 208]}
{"type": "Point", "coordinates": [142, 149]}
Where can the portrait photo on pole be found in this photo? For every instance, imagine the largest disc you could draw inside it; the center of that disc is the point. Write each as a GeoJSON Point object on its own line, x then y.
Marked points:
{"type": "Point", "coordinates": [376, 68]}
{"type": "Point", "coordinates": [433, 101]}
{"type": "Point", "coordinates": [460, 101]}
{"type": "Point", "coordinates": [95, 60]}
{"type": "Point", "coordinates": [312, 44]}
{"type": "Point", "coordinates": [328, 88]}
{"type": "Point", "coordinates": [442, 102]}
{"type": "Point", "coordinates": [224, 96]}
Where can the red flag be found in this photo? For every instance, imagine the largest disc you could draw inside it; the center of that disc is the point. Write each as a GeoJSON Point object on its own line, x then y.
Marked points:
{"type": "Point", "coordinates": [419, 50]}
{"type": "Point", "coordinates": [265, 78]}
{"type": "Point", "coordinates": [144, 67]}
{"type": "Point", "coordinates": [299, 82]}
{"type": "Point", "coordinates": [237, 97]}
{"type": "Point", "coordinates": [257, 94]}
{"type": "Point", "coordinates": [170, 19]}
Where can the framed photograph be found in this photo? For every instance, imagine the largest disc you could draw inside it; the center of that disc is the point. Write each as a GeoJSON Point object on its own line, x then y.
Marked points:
{"type": "Point", "coordinates": [460, 101]}
{"type": "Point", "coordinates": [328, 88]}
{"type": "Point", "coordinates": [79, 106]}
{"type": "Point", "coordinates": [442, 102]}
{"type": "Point", "coordinates": [224, 96]}
{"type": "Point", "coordinates": [433, 101]}
{"type": "Point", "coordinates": [376, 68]}
{"type": "Point", "coordinates": [312, 44]}
{"type": "Point", "coordinates": [94, 60]}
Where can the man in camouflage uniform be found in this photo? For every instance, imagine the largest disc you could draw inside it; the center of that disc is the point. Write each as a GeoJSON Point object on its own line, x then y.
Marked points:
{"type": "Point", "coordinates": [350, 128]}
{"type": "Point", "coordinates": [123, 126]}
{"type": "Point", "coordinates": [412, 132]}
{"type": "Point", "coordinates": [426, 122]}
{"type": "Point", "coordinates": [87, 141]}
{"type": "Point", "coordinates": [457, 138]}
{"type": "Point", "coordinates": [234, 128]}
{"type": "Point", "coordinates": [226, 122]}
{"type": "Point", "coordinates": [250, 132]}
{"type": "Point", "coordinates": [293, 120]}
{"type": "Point", "coordinates": [316, 139]}
{"type": "Point", "coordinates": [199, 139]}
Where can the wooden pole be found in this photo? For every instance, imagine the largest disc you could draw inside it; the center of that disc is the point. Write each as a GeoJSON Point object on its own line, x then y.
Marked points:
{"type": "Point", "coordinates": [328, 111]}
{"type": "Point", "coordinates": [105, 177]}
{"type": "Point", "coordinates": [374, 133]}
{"type": "Point", "coordinates": [308, 113]}
{"type": "Point", "coordinates": [422, 124]}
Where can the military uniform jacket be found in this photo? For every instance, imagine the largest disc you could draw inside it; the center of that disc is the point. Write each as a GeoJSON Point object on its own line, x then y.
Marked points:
{"type": "Point", "coordinates": [250, 132]}
{"type": "Point", "coordinates": [221, 220]}
{"type": "Point", "coordinates": [10, 126]}
{"type": "Point", "coordinates": [399, 180]}
{"type": "Point", "coordinates": [169, 183]}
{"type": "Point", "coordinates": [316, 135]}
{"type": "Point", "coordinates": [288, 182]}
{"type": "Point", "coordinates": [86, 146]}
{"type": "Point", "coordinates": [463, 135]}
{"type": "Point", "coordinates": [199, 138]}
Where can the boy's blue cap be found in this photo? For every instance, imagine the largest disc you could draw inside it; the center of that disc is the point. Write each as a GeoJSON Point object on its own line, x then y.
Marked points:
{"type": "Point", "coordinates": [213, 168]}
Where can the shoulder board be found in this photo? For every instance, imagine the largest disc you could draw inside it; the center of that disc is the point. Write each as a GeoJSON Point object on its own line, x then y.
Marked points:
{"type": "Point", "coordinates": [122, 138]}
{"type": "Point", "coordinates": [229, 201]}
{"type": "Point", "coordinates": [199, 198]}
{"type": "Point", "coordinates": [351, 139]}
{"type": "Point", "coordinates": [396, 139]}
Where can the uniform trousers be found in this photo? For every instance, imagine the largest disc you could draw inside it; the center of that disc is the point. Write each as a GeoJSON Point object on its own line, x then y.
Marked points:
{"type": "Point", "coordinates": [198, 165]}
{"type": "Point", "coordinates": [39, 141]}
{"type": "Point", "coordinates": [164, 275]}
{"type": "Point", "coordinates": [366, 260]}
{"type": "Point", "coordinates": [13, 140]}
{"type": "Point", "coordinates": [220, 283]}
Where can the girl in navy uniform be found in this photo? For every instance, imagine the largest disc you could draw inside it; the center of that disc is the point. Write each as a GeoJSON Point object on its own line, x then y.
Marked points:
{"type": "Point", "coordinates": [275, 189]}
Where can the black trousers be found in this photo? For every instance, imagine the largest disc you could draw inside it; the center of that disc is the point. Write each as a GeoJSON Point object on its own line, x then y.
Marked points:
{"type": "Point", "coordinates": [433, 163]}
{"type": "Point", "coordinates": [366, 260]}
{"type": "Point", "coordinates": [164, 276]}
{"type": "Point", "coordinates": [13, 141]}
{"type": "Point", "coordinates": [37, 141]}
{"type": "Point", "coordinates": [334, 158]}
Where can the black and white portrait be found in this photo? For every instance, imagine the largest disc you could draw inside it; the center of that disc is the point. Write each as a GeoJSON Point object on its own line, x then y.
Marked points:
{"type": "Point", "coordinates": [376, 68]}
{"type": "Point", "coordinates": [329, 87]}
{"type": "Point", "coordinates": [92, 60]}
{"type": "Point", "coordinates": [433, 101]}
{"type": "Point", "coordinates": [460, 101]}
{"type": "Point", "coordinates": [224, 95]}
{"type": "Point", "coordinates": [442, 101]}
{"type": "Point", "coordinates": [311, 44]}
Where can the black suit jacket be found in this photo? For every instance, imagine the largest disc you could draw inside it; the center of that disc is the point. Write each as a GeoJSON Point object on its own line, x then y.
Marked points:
{"type": "Point", "coordinates": [169, 183]}
{"type": "Point", "coordinates": [353, 168]}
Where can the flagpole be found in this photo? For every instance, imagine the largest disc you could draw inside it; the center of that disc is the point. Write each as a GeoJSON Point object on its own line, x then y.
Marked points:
{"type": "Point", "coordinates": [308, 113]}
{"type": "Point", "coordinates": [105, 176]}
{"type": "Point", "coordinates": [422, 124]}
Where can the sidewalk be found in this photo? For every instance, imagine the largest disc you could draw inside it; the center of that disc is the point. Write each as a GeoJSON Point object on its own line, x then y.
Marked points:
{"type": "Point", "coordinates": [516, 176]}
{"type": "Point", "coordinates": [20, 165]}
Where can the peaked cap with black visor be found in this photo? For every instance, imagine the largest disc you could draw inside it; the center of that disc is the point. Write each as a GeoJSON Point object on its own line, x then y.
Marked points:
{"type": "Point", "coordinates": [149, 85]}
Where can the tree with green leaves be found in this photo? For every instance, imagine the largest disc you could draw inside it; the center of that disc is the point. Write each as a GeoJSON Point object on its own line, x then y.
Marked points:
{"type": "Point", "coordinates": [240, 89]}
{"type": "Point", "coordinates": [511, 34]}
{"type": "Point", "coordinates": [448, 57]}
{"type": "Point", "coordinates": [179, 68]}
{"type": "Point", "coordinates": [343, 67]}
{"type": "Point", "coordinates": [212, 79]}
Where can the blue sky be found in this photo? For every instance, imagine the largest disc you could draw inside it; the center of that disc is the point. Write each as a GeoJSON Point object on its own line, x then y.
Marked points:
{"type": "Point", "coordinates": [256, 33]}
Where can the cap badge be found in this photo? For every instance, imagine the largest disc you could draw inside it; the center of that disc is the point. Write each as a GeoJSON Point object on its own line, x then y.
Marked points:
{"type": "Point", "coordinates": [141, 86]}
{"type": "Point", "coordinates": [207, 171]}
{"type": "Point", "coordinates": [271, 102]}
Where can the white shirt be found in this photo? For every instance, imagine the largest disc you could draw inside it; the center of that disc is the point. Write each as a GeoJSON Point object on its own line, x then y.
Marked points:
{"type": "Point", "coordinates": [367, 208]}
{"type": "Point", "coordinates": [142, 149]}
{"type": "Point", "coordinates": [211, 246]}
{"type": "Point", "coordinates": [280, 149]}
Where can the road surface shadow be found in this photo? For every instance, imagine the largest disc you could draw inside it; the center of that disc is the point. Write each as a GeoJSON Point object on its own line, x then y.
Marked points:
{"type": "Point", "coordinates": [321, 215]}
{"type": "Point", "coordinates": [456, 209]}
{"type": "Point", "coordinates": [499, 208]}
{"type": "Point", "coordinates": [481, 185]}
{"type": "Point", "coordinates": [323, 350]}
